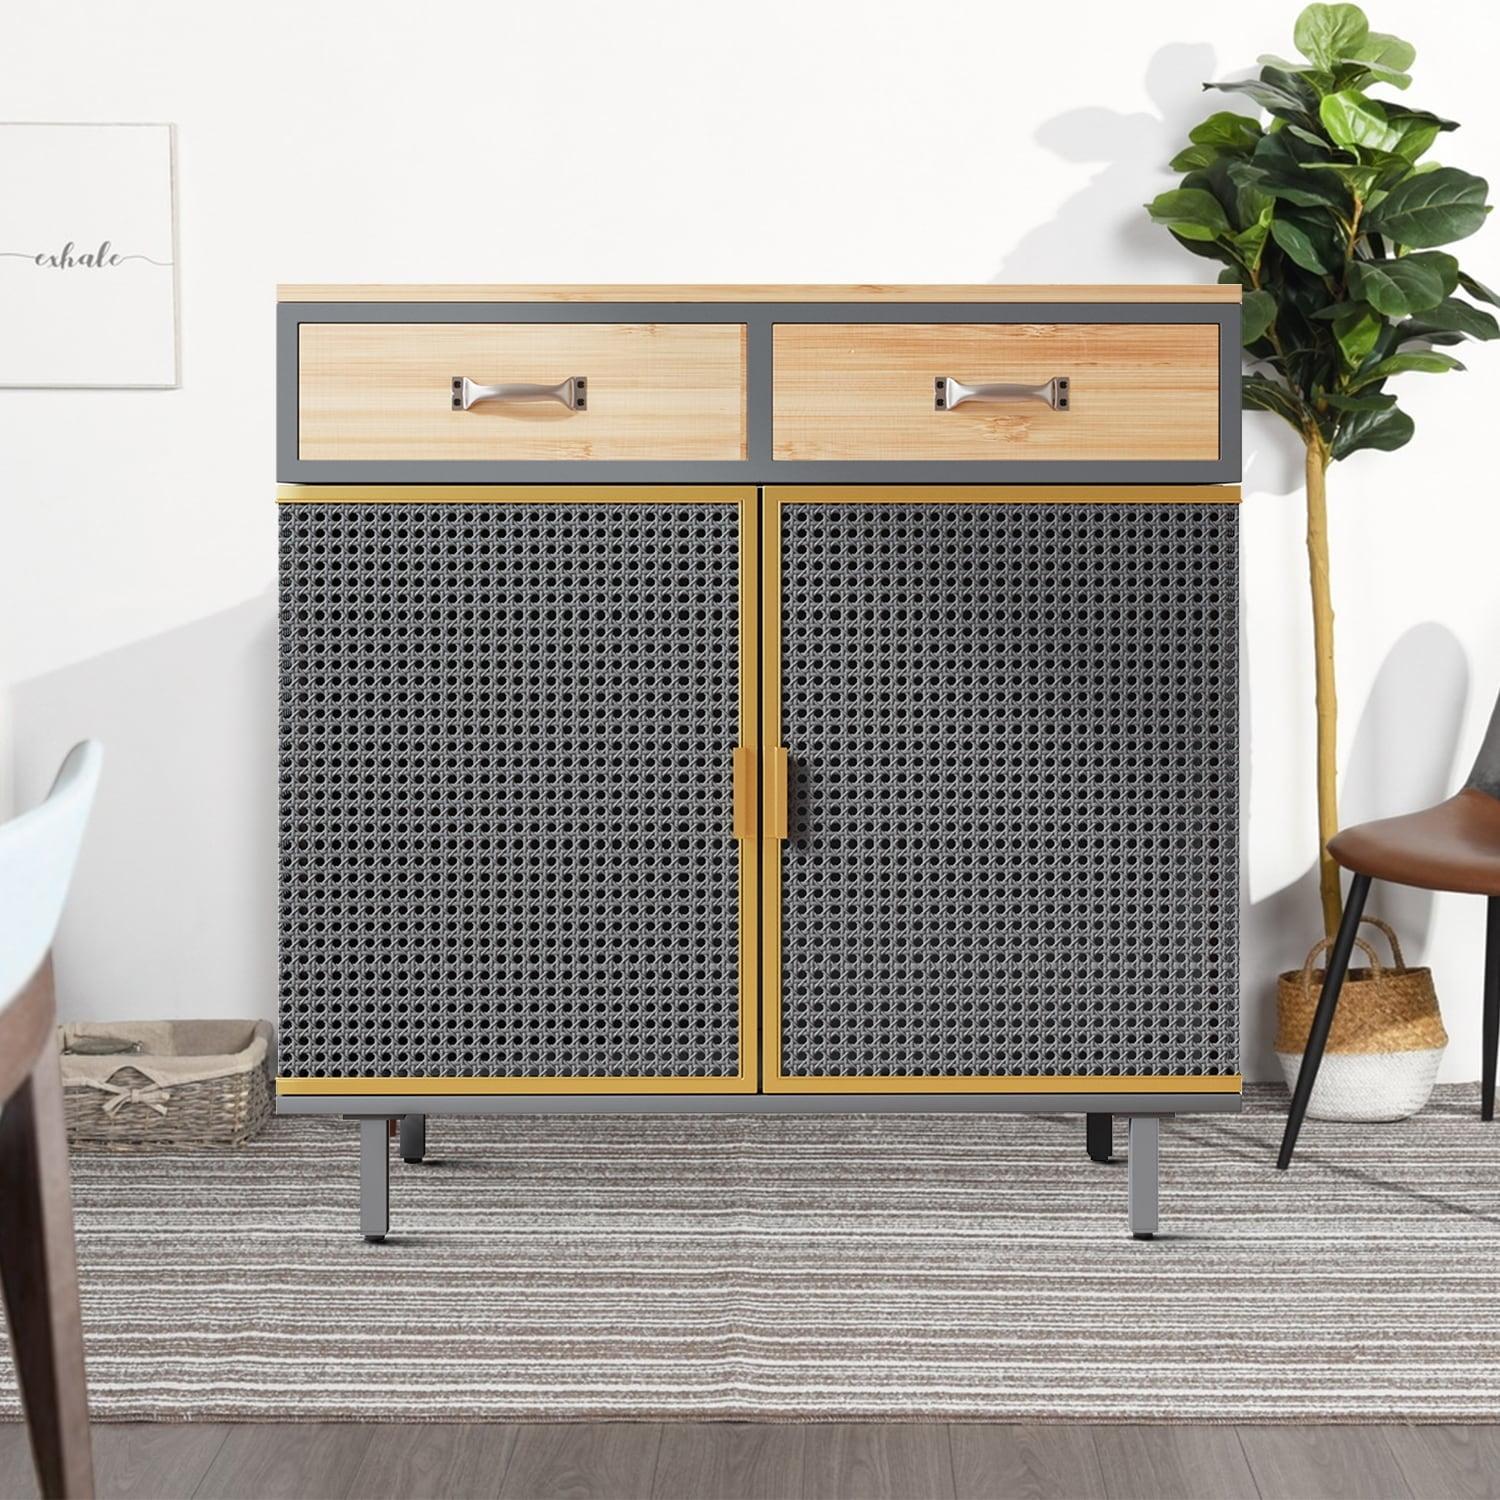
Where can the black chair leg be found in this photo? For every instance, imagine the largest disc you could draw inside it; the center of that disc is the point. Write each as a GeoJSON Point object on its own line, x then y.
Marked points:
{"type": "Point", "coordinates": [1491, 1008]}
{"type": "Point", "coordinates": [1101, 1137]}
{"type": "Point", "coordinates": [1328, 1003]}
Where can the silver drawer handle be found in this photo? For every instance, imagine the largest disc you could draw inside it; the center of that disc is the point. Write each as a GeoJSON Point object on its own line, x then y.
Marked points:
{"type": "Point", "coordinates": [948, 393]}
{"type": "Point", "coordinates": [572, 393]}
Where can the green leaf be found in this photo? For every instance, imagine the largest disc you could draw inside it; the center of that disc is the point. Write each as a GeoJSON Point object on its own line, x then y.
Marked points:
{"type": "Point", "coordinates": [1257, 393]}
{"type": "Point", "coordinates": [1431, 208]}
{"type": "Point", "coordinates": [1416, 128]}
{"type": "Point", "coordinates": [1298, 86]}
{"type": "Point", "coordinates": [1318, 79]}
{"type": "Point", "coordinates": [1194, 213]}
{"type": "Point", "coordinates": [1428, 337]}
{"type": "Point", "coordinates": [1249, 243]}
{"type": "Point", "coordinates": [1258, 312]}
{"type": "Point", "coordinates": [1277, 91]}
{"type": "Point", "coordinates": [1416, 140]}
{"type": "Point", "coordinates": [1411, 284]}
{"type": "Point", "coordinates": [1428, 362]}
{"type": "Point", "coordinates": [1383, 58]}
{"type": "Point", "coordinates": [1386, 430]}
{"type": "Point", "coordinates": [1452, 316]}
{"type": "Point", "coordinates": [1230, 131]}
{"type": "Point", "coordinates": [1357, 123]}
{"type": "Point", "coordinates": [1215, 179]}
{"type": "Point", "coordinates": [1379, 402]}
{"type": "Point", "coordinates": [1310, 146]}
{"type": "Point", "coordinates": [1191, 158]}
{"type": "Point", "coordinates": [1217, 250]}
{"type": "Point", "coordinates": [1476, 288]}
{"type": "Point", "coordinates": [1379, 73]}
{"type": "Point", "coordinates": [1325, 33]}
{"type": "Point", "coordinates": [1358, 75]}
{"type": "Point", "coordinates": [1389, 169]}
{"type": "Point", "coordinates": [1381, 48]}
{"type": "Point", "coordinates": [1293, 185]}
{"type": "Point", "coordinates": [1252, 205]}
{"type": "Point", "coordinates": [1298, 147]}
{"type": "Point", "coordinates": [1359, 179]}
{"type": "Point", "coordinates": [1252, 88]}
{"type": "Point", "coordinates": [1271, 60]}
{"type": "Point", "coordinates": [1355, 330]}
{"type": "Point", "coordinates": [1309, 243]}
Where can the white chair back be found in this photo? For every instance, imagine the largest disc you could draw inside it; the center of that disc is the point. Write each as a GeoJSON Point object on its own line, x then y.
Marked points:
{"type": "Point", "coordinates": [38, 853]}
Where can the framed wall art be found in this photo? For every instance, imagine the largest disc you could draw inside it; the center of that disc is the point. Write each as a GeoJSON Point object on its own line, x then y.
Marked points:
{"type": "Point", "coordinates": [88, 255]}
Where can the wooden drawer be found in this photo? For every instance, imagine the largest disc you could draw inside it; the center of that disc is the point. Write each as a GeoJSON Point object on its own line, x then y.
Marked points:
{"type": "Point", "coordinates": [866, 391]}
{"type": "Point", "coordinates": [384, 391]}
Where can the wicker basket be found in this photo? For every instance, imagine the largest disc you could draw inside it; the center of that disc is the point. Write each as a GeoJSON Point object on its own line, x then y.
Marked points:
{"type": "Point", "coordinates": [1385, 1044]}
{"type": "Point", "coordinates": [190, 1083]}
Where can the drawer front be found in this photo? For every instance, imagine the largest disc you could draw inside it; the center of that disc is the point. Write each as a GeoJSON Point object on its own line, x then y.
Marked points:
{"type": "Point", "coordinates": [1011, 859]}
{"type": "Point", "coordinates": [383, 392]}
{"type": "Point", "coordinates": [866, 391]}
{"type": "Point", "coordinates": [507, 855]}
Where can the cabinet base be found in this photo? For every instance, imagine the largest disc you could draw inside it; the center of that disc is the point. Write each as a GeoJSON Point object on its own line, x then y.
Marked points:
{"type": "Point", "coordinates": [1144, 1114]}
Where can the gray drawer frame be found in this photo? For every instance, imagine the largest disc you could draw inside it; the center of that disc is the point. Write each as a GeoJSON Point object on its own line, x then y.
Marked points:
{"type": "Point", "coordinates": [759, 467]}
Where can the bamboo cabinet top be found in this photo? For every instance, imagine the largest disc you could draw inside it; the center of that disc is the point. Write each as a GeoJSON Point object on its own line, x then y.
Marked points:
{"type": "Point", "coordinates": [801, 292]}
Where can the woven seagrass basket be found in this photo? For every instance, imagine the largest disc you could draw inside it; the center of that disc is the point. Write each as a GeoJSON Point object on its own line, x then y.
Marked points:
{"type": "Point", "coordinates": [185, 1084]}
{"type": "Point", "coordinates": [1385, 1044]}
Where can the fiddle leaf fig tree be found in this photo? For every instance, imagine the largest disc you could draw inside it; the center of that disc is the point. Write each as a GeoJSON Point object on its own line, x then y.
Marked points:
{"type": "Point", "coordinates": [1331, 214]}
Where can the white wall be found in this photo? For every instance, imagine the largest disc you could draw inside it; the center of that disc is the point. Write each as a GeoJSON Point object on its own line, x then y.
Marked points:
{"type": "Point", "coordinates": [364, 140]}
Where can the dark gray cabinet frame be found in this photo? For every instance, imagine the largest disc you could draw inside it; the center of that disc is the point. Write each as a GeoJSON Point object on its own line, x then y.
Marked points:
{"type": "Point", "coordinates": [758, 467]}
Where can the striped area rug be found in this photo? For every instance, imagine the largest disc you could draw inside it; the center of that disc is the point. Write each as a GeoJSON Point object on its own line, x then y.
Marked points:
{"type": "Point", "coordinates": [823, 1267]}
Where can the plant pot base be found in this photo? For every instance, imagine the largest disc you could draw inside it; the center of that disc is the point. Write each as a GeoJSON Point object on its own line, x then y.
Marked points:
{"type": "Point", "coordinates": [1367, 1086]}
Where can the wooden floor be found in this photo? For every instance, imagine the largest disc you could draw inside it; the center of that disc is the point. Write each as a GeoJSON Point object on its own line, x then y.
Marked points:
{"type": "Point", "coordinates": [726, 1461]}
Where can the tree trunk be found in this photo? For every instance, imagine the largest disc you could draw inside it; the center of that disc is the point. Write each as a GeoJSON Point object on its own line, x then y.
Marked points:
{"type": "Point", "coordinates": [1323, 676]}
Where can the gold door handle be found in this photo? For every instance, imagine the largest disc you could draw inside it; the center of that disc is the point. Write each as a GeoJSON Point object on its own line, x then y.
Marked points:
{"type": "Point", "coordinates": [746, 792]}
{"type": "Point", "coordinates": [777, 778]}
{"type": "Point", "coordinates": [746, 767]}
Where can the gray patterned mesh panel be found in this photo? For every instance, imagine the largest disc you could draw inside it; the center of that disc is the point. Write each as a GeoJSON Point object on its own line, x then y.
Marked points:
{"type": "Point", "coordinates": [1013, 825]}
{"type": "Point", "coordinates": [506, 739]}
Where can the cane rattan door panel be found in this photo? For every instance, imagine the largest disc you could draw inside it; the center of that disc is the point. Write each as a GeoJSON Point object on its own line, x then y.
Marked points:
{"type": "Point", "coordinates": [1012, 806]}
{"type": "Point", "coordinates": [507, 734]}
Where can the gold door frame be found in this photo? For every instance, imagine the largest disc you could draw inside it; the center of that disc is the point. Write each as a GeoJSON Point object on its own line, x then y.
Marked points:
{"type": "Point", "coordinates": [747, 499]}
{"type": "Point", "coordinates": [773, 1081]}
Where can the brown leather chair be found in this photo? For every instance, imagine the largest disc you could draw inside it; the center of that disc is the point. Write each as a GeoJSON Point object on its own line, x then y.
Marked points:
{"type": "Point", "coordinates": [1454, 846]}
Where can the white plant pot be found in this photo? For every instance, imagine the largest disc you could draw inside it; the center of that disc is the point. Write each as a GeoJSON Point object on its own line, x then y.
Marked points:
{"type": "Point", "coordinates": [1367, 1085]}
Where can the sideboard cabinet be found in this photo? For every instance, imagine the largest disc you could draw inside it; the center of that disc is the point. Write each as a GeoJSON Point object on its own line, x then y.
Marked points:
{"type": "Point", "coordinates": [758, 699]}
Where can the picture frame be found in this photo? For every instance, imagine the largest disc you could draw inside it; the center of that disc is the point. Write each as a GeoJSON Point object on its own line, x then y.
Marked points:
{"type": "Point", "coordinates": [88, 256]}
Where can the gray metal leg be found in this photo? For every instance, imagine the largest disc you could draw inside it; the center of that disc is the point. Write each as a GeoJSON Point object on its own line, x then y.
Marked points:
{"type": "Point", "coordinates": [1144, 1160]}
{"type": "Point", "coordinates": [413, 1137]}
{"type": "Point", "coordinates": [374, 1177]}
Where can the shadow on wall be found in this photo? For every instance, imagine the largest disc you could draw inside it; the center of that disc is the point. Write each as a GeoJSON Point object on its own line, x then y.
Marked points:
{"type": "Point", "coordinates": [1104, 224]}
{"type": "Point", "coordinates": [1104, 227]}
{"type": "Point", "coordinates": [173, 912]}
{"type": "Point", "coordinates": [1406, 755]}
